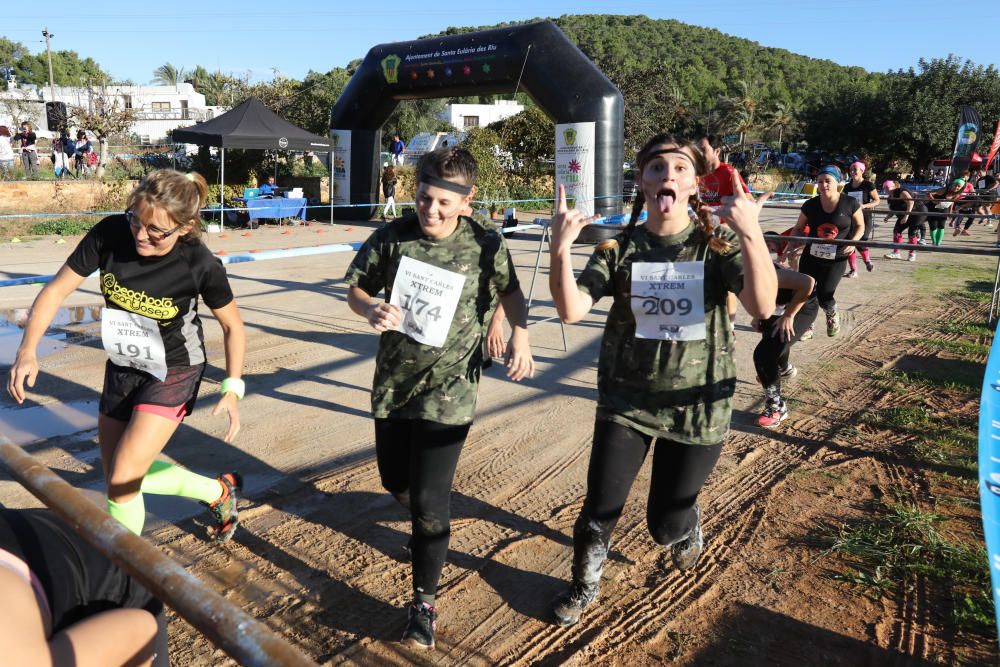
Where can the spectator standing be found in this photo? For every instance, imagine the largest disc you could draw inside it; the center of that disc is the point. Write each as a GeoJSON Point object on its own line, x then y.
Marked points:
{"type": "Point", "coordinates": [397, 147]}
{"type": "Point", "coordinates": [29, 151]}
{"type": "Point", "coordinates": [6, 153]}
{"type": "Point", "coordinates": [83, 151]}
{"type": "Point", "coordinates": [389, 190]}
{"type": "Point", "coordinates": [60, 161]}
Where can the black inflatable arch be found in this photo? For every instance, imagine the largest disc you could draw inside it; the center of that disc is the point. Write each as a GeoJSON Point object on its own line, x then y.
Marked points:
{"type": "Point", "coordinates": [552, 70]}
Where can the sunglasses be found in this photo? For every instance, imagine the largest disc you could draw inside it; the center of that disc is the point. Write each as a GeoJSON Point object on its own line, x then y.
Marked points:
{"type": "Point", "coordinates": [154, 233]}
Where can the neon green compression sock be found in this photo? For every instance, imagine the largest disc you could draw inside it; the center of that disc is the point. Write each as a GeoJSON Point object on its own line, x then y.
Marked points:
{"type": "Point", "coordinates": [166, 479]}
{"type": "Point", "coordinates": [131, 513]}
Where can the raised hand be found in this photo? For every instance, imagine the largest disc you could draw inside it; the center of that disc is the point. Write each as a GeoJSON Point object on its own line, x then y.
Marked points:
{"type": "Point", "coordinates": [567, 223]}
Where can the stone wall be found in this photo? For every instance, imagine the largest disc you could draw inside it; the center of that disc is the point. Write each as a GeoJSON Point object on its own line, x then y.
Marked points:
{"type": "Point", "coordinates": [64, 196]}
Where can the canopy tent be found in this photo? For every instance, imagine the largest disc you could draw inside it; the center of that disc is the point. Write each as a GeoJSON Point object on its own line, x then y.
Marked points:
{"type": "Point", "coordinates": [977, 160]}
{"type": "Point", "coordinates": [250, 125]}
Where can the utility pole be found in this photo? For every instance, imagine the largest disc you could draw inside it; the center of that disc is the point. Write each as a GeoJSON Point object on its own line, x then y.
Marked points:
{"type": "Point", "coordinates": [48, 48]}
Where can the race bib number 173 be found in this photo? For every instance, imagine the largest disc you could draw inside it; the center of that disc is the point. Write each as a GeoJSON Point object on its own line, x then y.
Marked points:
{"type": "Point", "coordinates": [427, 296]}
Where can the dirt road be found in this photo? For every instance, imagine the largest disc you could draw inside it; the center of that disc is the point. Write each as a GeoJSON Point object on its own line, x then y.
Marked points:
{"type": "Point", "coordinates": [321, 553]}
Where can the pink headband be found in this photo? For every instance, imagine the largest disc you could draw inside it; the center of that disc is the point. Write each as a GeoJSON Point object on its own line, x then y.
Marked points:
{"type": "Point", "coordinates": [860, 165]}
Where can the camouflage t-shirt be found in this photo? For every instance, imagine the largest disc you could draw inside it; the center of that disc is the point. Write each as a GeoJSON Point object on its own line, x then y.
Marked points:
{"type": "Point", "coordinates": [678, 390]}
{"type": "Point", "coordinates": [417, 381]}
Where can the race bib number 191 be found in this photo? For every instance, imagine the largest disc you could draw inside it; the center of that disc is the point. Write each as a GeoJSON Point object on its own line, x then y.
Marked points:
{"type": "Point", "coordinates": [427, 296]}
{"type": "Point", "coordinates": [668, 300]}
{"type": "Point", "coordinates": [134, 341]}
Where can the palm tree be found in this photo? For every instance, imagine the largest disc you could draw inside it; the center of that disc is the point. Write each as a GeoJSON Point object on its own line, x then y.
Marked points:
{"type": "Point", "coordinates": [782, 117]}
{"type": "Point", "coordinates": [168, 75]}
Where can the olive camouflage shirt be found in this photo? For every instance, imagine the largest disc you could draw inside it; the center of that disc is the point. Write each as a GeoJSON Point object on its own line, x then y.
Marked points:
{"type": "Point", "coordinates": [417, 381]}
{"type": "Point", "coordinates": [677, 390]}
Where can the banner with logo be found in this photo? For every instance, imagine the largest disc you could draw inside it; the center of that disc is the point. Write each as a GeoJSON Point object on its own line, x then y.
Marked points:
{"type": "Point", "coordinates": [993, 148]}
{"type": "Point", "coordinates": [965, 142]}
{"type": "Point", "coordinates": [340, 161]}
{"type": "Point", "coordinates": [575, 164]}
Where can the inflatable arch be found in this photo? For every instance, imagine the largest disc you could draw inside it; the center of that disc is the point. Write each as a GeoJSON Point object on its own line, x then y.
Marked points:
{"type": "Point", "coordinates": [536, 58]}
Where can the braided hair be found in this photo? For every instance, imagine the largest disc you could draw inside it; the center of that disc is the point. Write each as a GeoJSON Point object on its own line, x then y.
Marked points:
{"type": "Point", "coordinates": [703, 212]}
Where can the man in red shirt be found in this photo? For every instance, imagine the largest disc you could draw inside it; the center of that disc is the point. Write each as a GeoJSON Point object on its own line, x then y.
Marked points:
{"type": "Point", "coordinates": [715, 185]}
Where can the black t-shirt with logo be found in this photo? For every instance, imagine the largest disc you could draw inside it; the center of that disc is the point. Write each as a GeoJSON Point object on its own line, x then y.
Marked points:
{"type": "Point", "coordinates": [836, 225]}
{"type": "Point", "coordinates": [165, 289]}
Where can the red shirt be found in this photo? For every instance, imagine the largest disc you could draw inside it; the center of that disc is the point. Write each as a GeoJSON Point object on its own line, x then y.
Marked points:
{"type": "Point", "coordinates": [718, 184]}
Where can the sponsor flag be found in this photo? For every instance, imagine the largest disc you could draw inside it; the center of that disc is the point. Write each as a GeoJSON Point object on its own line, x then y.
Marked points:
{"type": "Point", "coordinates": [993, 148]}
{"type": "Point", "coordinates": [965, 142]}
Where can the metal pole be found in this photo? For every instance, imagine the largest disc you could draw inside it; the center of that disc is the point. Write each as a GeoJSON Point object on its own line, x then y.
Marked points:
{"type": "Point", "coordinates": [48, 49]}
{"type": "Point", "coordinates": [222, 189]}
{"type": "Point", "coordinates": [240, 635]}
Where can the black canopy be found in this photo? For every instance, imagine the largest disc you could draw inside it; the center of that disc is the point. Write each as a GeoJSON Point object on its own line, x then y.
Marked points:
{"type": "Point", "coordinates": [252, 125]}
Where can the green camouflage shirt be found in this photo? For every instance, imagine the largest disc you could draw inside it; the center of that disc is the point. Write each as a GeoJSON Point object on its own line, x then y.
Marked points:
{"type": "Point", "coordinates": [417, 381]}
{"type": "Point", "coordinates": [677, 390]}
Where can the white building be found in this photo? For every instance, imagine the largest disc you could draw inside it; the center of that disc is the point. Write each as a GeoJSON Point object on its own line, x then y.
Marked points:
{"type": "Point", "coordinates": [159, 109]}
{"type": "Point", "coordinates": [465, 116]}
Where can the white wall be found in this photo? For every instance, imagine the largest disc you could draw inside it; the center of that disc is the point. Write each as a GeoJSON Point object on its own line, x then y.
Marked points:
{"type": "Point", "coordinates": [486, 113]}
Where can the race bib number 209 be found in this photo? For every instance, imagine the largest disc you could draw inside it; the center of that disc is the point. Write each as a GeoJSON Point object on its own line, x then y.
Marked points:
{"type": "Point", "coordinates": [427, 296]}
{"type": "Point", "coordinates": [668, 300]}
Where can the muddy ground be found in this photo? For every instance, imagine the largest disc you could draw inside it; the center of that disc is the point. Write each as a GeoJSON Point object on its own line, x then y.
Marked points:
{"type": "Point", "coordinates": [320, 556]}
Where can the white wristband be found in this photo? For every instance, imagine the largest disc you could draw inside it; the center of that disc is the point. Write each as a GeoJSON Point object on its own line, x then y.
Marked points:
{"type": "Point", "coordinates": [234, 385]}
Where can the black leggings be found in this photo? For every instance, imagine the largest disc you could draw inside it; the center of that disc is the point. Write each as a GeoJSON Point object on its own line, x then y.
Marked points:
{"type": "Point", "coordinates": [916, 223]}
{"type": "Point", "coordinates": [771, 354]}
{"type": "Point", "coordinates": [937, 221]}
{"type": "Point", "coordinates": [417, 461]}
{"type": "Point", "coordinates": [679, 472]}
{"type": "Point", "coordinates": [827, 274]}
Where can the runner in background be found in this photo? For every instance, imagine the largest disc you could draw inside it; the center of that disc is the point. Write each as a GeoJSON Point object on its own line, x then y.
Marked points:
{"type": "Point", "coordinates": [866, 193]}
{"type": "Point", "coordinates": [828, 216]}
{"type": "Point", "coordinates": [64, 603]}
{"type": "Point", "coordinates": [666, 373]}
{"type": "Point", "coordinates": [794, 314]}
{"type": "Point", "coordinates": [911, 217]}
{"type": "Point", "coordinates": [153, 269]}
{"type": "Point", "coordinates": [443, 274]}
{"type": "Point", "coordinates": [720, 181]}
{"type": "Point", "coordinates": [942, 201]}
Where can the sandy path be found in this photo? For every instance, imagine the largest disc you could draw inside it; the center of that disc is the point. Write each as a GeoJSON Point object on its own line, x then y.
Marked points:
{"type": "Point", "coordinates": [321, 554]}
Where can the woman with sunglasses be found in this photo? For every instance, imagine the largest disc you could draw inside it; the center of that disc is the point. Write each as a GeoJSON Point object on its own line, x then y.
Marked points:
{"type": "Point", "coordinates": [153, 269]}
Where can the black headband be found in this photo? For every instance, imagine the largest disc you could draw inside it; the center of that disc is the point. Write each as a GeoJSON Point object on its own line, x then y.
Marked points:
{"type": "Point", "coordinates": [443, 184]}
{"type": "Point", "coordinates": [667, 151]}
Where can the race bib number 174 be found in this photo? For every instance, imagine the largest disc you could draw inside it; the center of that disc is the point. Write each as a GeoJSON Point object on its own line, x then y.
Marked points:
{"type": "Point", "coordinates": [427, 296]}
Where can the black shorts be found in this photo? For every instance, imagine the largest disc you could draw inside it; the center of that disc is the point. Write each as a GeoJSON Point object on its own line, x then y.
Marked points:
{"type": "Point", "coordinates": [125, 389]}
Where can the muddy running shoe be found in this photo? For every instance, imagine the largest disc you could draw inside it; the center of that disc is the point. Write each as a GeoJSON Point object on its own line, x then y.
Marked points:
{"type": "Point", "coordinates": [570, 604]}
{"type": "Point", "coordinates": [832, 323]}
{"type": "Point", "coordinates": [912, 257]}
{"type": "Point", "coordinates": [869, 266]}
{"type": "Point", "coordinates": [788, 372]}
{"type": "Point", "coordinates": [773, 415]}
{"type": "Point", "coordinates": [421, 622]}
{"type": "Point", "coordinates": [966, 232]}
{"type": "Point", "coordinates": [892, 255]}
{"type": "Point", "coordinates": [851, 274]}
{"type": "Point", "coordinates": [686, 552]}
{"type": "Point", "coordinates": [807, 334]}
{"type": "Point", "coordinates": [224, 510]}
{"type": "Point", "coordinates": [958, 231]}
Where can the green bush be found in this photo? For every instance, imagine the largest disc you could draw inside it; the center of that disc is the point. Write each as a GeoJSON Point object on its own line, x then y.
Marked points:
{"type": "Point", "coordinates": [64, 226]}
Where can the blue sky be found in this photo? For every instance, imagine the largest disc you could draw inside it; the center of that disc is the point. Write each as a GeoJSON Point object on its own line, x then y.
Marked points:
{"type": "Point", "coordinates": [255, 39]}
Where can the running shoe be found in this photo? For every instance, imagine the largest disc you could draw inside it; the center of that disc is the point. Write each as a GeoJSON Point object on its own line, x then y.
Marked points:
{"type": "Point", "coordinates": [851, 274]}
{"type": "Point", "coordinates": [912, 257]}
{"type": "Point", "coordinates": [922, 242]}
{"type": "Point", "coordinates": [421, 621]}
{"type": "Point", "coordinates": [788, 372]}
{"type": "Point", "coordinates": [997, 244]}
{"type": "Point", "coordinates": [686, 552]}
{"type": "Point", "coordinates": [832, 323]}
{"type": "Point", "coordinates": [957, 231]}
{"type": "Point", "coordinates": [570, 604]}
{"type": "Point", "coordinates": [224, 510]}
{"type": "Point", "coordinates": [965, 232]}
{"type": "Point", "coordinates": [869, 266]}
{"type": "Point", "coordinates": [773, 415]}
{"type": "Point", "coordinates": [807, 334]}
{"type": "Point", "coordinates": [892, 255]}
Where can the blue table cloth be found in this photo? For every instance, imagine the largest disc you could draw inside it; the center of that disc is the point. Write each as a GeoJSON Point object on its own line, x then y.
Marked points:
{"type": "Point", "coordinates": [277, 208]}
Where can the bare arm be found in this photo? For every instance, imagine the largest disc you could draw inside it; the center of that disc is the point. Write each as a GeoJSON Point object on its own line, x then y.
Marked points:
{"type": "Point", "coordinates": [803, 287]}
{"type": "Point", "coordinates": [43, 311]}
{"type": "Point", "coordinates": [518, 359]}
{"type": "Point", "coordinates": [381, 316]}
{"type": "Point", "coordinates": [235, 341]}
{"type": "Point", "coordinates": [571, 304]}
